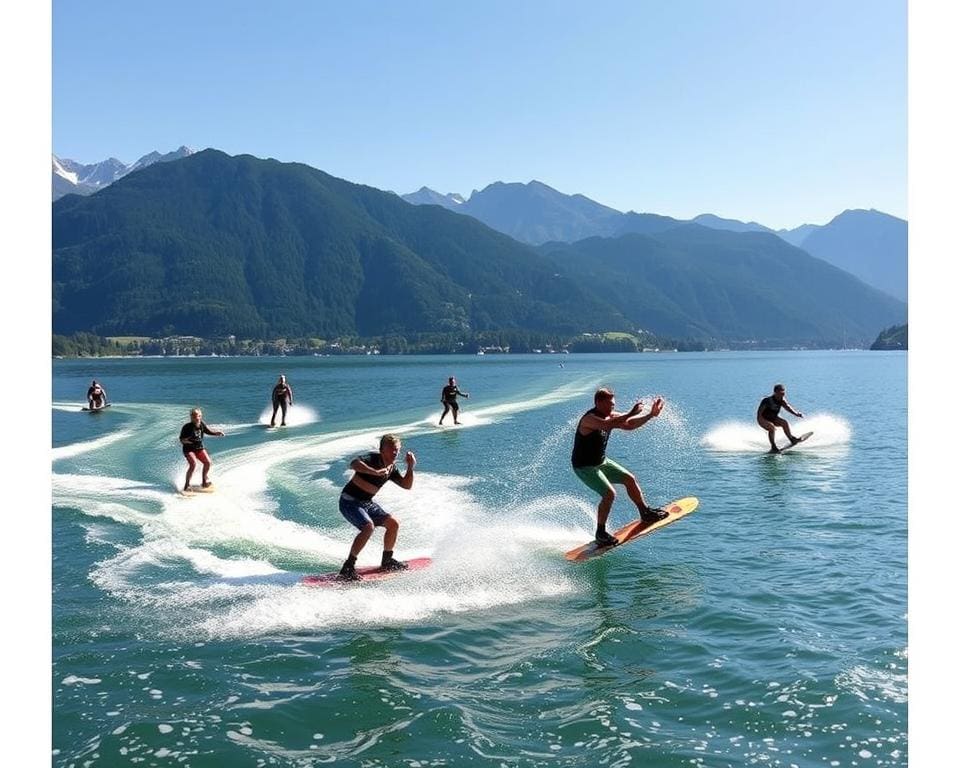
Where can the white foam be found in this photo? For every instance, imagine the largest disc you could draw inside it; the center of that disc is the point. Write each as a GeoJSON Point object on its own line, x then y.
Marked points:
{"type": "Point", "coordinates": [829, 431]}
{"type": "Point", "coordinates": [297, 415]}
{"type": "Point", "coordinates": [75, 449]}
{"type": "Point", "coordinates": [70, 407]}
{"type": "Point", "coordinates": [219, 564]}
{"type": "Point", "coordinates": [872, 684]}
{"type": "Point", "coordinates": [74, 680]}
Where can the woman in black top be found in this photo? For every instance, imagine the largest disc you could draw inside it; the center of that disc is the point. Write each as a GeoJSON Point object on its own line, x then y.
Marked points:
{"type": "Point", "coordinates": [191, 438]}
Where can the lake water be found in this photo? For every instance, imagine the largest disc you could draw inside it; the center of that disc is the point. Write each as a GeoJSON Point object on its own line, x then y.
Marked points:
{"type": "Point", "coordinates": [768, 628]}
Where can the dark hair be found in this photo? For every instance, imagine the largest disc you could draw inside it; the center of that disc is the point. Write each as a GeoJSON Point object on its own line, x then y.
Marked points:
{"type": "Point", "coordinates": [602, 394]}
{"type": "Point", "coordinates": [778, 387]}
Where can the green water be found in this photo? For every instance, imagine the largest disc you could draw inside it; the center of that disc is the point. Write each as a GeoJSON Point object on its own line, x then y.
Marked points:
{"type": "Point", "coordinates": [768, 628]}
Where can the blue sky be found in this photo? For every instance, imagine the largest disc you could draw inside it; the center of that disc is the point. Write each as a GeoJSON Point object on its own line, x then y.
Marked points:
{"type": "Point", "coordinates": [779, 112]}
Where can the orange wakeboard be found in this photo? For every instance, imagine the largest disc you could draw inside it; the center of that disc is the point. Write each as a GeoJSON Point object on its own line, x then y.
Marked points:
{"type": "Point", "coordinates": [676, 510]}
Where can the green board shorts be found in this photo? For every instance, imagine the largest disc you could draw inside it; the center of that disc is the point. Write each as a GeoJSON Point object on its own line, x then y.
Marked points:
{"type": "Point", "coordinates": [601, 477]}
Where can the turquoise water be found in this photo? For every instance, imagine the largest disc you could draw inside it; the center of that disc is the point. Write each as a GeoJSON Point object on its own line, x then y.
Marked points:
{"type": "Point", "coordinates": [768, 628]}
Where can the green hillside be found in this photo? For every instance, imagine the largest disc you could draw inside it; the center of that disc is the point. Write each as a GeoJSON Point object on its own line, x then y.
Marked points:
{"type": "Point", "coordinates": [214, 244]}
{"type": "Point", "coordinates": [694, 282]}
{"type": "Point", "coordinates": [894, 337]}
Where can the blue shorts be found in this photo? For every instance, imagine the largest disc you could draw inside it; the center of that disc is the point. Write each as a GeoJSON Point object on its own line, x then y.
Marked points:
{"type": "Point", "coordinates": [359, 513]}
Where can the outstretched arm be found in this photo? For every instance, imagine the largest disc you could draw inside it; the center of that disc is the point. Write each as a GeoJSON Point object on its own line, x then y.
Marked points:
{"type": "Point", "coordinates": [635, 422]}
{"type": "Point", "coordinates": [790, 408]}
{"type": "Point", "coordinates": [613, 421]}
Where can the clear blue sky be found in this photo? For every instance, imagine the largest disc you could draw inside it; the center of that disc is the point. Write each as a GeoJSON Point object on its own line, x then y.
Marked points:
{"type": "Point", "coordinates": [768, 110]}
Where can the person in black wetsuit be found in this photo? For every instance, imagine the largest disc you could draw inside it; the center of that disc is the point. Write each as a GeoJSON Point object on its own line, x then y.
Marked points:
{"type": "Point", "coordinates": [191, 438]}
{"type": "Point", "coordinates": [768, 416]}
{"type": "Point", "coordinates": [96, 396]}
{"type": "Point", "coordinates": [282, 396]}
{"type": "Point", "coordinates": [448, 396]}
{"type": "Point", "coordinates": [371, 472]}
{"type": "Point", "coordinates": [599, 473]}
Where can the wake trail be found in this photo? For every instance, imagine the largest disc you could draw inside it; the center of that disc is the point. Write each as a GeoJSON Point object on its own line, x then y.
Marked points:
{"type": "Point", "coordinates": [829, 431]}
{"type": "Point", "coordinates": [229, 563]}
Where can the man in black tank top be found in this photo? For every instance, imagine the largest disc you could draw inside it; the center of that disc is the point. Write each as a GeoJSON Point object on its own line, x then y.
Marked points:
{"type": "Point", "coordinates": [281, 396]}
{"type": "Point", "coordinates": [768, 416]}
{"type": "Point", "coordinates": [591, 465]}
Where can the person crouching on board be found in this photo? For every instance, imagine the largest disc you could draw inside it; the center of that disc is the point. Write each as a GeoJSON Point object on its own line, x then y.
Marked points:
{"type": "Point", "coordinates": [191, 438]}
{"type": "Point", "coordinates": [96, 396]}
{"type": "Point", "coordinates": [282, 395]}
{"type": "Point", "coordinates": [371, 472]}
{"type": "Point", "coordinates": [596, 471]}
{"type": "Point", "coordinates": [768, 416]}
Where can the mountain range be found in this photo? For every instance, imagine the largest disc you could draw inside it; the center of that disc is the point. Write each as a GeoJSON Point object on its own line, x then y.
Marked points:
{"type": "Point", "coordinates": [213, 244]}
{"type": "Point", "coordinates": [869, 244]}
{"type": "Point", "coordinates": [71, 177]}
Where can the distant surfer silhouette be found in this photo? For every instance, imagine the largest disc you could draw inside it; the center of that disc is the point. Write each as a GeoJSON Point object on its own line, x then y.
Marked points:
{"type": "Point", "coordinates": [448, 396]}
{"type": "Point", "coordinates": [282, 396]}
{"type": "Point", "coordinates": [96, 396]}
{"type": "Point", "coordinates": [768, 416]}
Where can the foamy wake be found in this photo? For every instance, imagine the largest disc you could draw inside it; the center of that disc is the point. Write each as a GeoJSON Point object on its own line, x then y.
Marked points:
{"type": "Point", "coordinates": [297, 415]}
{"type": "Point", "coordinates": [75, 449]}
{"type": "Point", "coordinates": [229, 563]}
{"type": "Point", "coordinates": [829, 431]}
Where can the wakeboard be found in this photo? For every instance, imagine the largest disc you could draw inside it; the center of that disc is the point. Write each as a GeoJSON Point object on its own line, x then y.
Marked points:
{"type": "Point", "coordinates": [95, 409]}
{"type": "Point", "coordinates": [194, 489]}
{"type": "Point", "coordinates": [367, 572]}
{"type": "Point", "coordinates": [676, 510]}
{"type": "Point", "coordinates": [799, 440]}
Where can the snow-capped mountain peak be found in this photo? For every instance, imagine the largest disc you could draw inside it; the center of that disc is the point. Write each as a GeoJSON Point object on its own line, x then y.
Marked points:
{"type": "Point", "coordinates": [70, 176]}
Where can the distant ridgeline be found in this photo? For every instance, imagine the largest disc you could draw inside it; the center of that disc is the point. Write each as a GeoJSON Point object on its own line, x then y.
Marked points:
{"type": "Point", "coordinates": [213, 246]}
{"type": "Point", "coordinates": [891, 338]}
{"type": "Point", "coordinates": [868, 244]}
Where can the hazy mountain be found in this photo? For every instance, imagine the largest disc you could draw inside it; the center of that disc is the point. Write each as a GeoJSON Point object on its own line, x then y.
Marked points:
{"type": "Point", "coordinates": [691, 281]}
{"type": "Point", "coordinates": [426, 196]}
{"type": "Point", "coordinates": [535, 213]}
{"type": "Point", "coordinates": [71, 177]}
{"type": "Point", "coordinates": [797, 235]}
{"type": "Point", "coordinates": [869, 244]}
{"type": "Point", "coordinates": [793, 236]}
{"type": "Point", "coordinates": [732, 225]}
